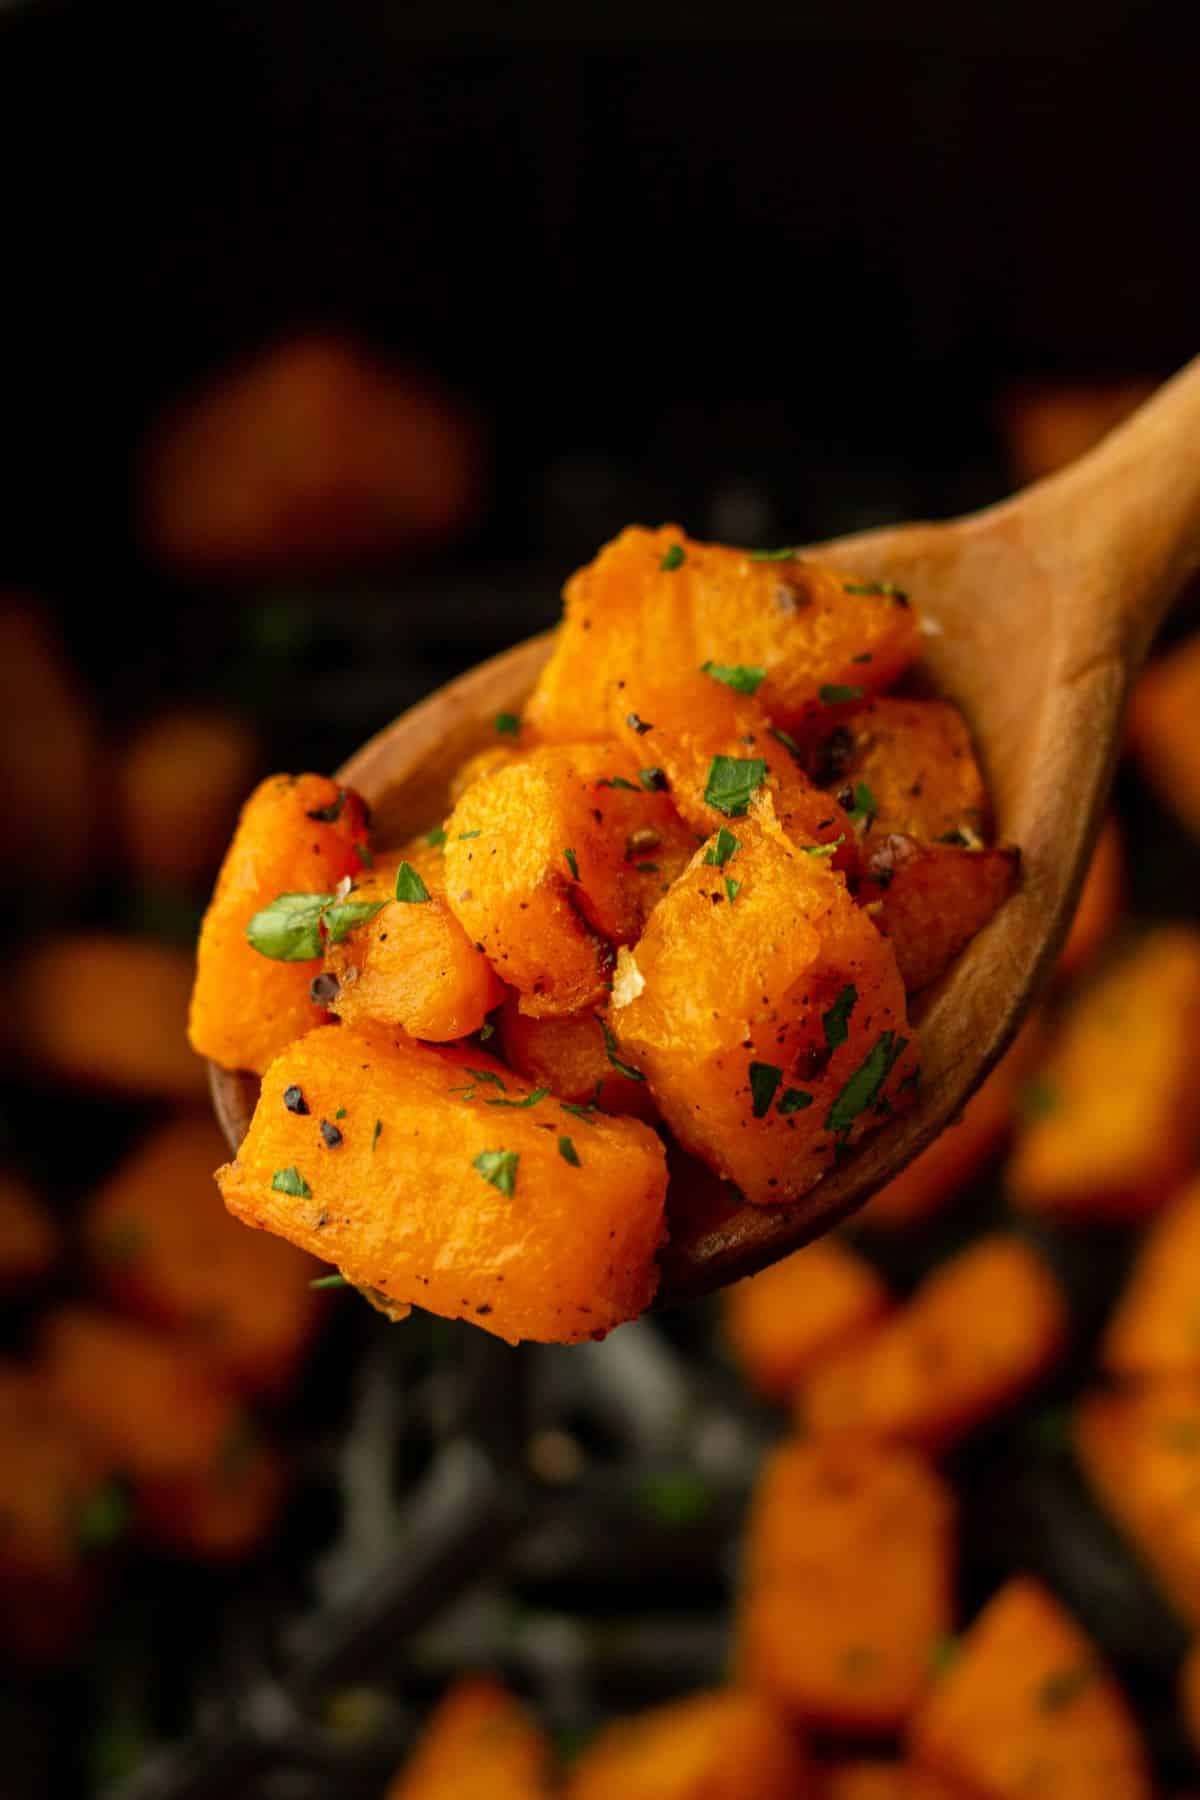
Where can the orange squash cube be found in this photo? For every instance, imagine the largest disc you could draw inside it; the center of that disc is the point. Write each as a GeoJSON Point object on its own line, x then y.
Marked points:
{"type": "Point", "coordinates": [483, 762]}
{"type": "Point", "coordinates": [847, 1583]}
{"type": "Point", "coordinates": [722, 1745]}
{"type": "Point", "coordinates": [978, 1333]}
{"type": "Point", "coordinates": [1162, 730]}
{"type": "Point", "coordinates": [550, 863]}
{"type": "Point", "coordinates": [180, 780]}
{"type": "Point", "coordinates": [780, 1324]}
{"type": "Point", "coordinates": [917, 763]}
{"type": "Point", "coordinates": [30, 1240]}
{"type": "Point", "coordinates": [1028, 1707]}
{"type": "Point", "coordinates": [929, 900]}
{"type": "Point", "coordinates": [298, 834]}
{"type": "Point", "coordinates": [453, 1186]}
{"type": "Point", "coordinates": [480, 1744]}
{"type": "Point", "coordinates": [1116, 1126]}
{"type": "Point", "coordinates": [765, 1011]}
{"type": "Point", "coordinates": [570, 1056]}
{"type": "Point", "coordinates": [1155, 1327]}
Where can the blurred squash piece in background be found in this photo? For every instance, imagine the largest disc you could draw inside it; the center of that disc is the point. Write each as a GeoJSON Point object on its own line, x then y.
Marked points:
{"type": "Point", "coordinates": [1163, 734]}
{"type": "Point", "coordinates": [181, 777]}
{"type": "Point", "coordinates": [310, 453]}
{"type": "Point", "coordinates": [480, 1743]}
{"type": "Point", "coordinates": [722, 1745]}
{"type": "Point", "coordinates": [30, 1240]}
{"type": "Point", "coordinates": [52, 769]}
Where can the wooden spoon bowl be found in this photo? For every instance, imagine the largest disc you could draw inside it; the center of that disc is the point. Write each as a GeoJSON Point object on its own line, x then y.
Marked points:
{"type": "Point", "coordinates": [1039, 613]}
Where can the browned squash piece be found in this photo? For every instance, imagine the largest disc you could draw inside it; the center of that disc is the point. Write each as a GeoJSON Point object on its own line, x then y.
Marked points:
{"type": "Point", "coordinates": [766, 1012]}
{"type": "Point", "coordinates": [150, 1405]}
{"type": "Point", "coordinates": [30, 1240]}
{"type": "Point", "coordinates": [1027, 1708]}
{"type": "Point", "coordinates": [411, 964]}
{"type": "Point", "coordinates": [650, 599]}
{"type": "Point", "coordinates": [847, 1583]}
{"type": "Point", "coordinates": [1155, 1327]}
{"type": "Point", "coordinates": [692, 735]}
{"type": "Point", "coordinates": [929, 900]}
{"type": "Point", "coordinates": [781, 1323]}
{"type": "Point", "coordinates": [1189, 1696]}
{"type": "Point", "coordinates": [454, 1186]}
{"type": "Point", "coordinates": [1100, 904]}
{"type": "Point", "coordinates": [942, 1172]}
{"type": "Point", "coordinates": [1140, 1449]}
{"type": "Point", "coordinates": [1162, 730]}
{"type": "Point", "coordinates": [108, 1012]}
{"type": "Point", "coordinates": [917, 764]}
{"type": "Point", "coordinates": [180, 780]}
{"type": "Point", "coordinates": [1115, 1127]}
{"type": "Point", "coordinates": [571, 1057]}
{"type": "Point", "coordinates": [886, 1781]}
{"type": "Point", "coordinates": [54, 1491]}
{"type": "Point", "coordinates": [298, 834]}
{"type": "Point", "coordinates": [223, 1514]}
{"type": "Point", "coordinates": [480, 1744]}
{"type": "Point", "coordinates": [161, 1244]}
{"type": "Point", "coordinates": [722, 1745]}
{"type": "Point", "coordinates": [549, 864]}
{"type": "Point", "coordinates": [978, 1333]}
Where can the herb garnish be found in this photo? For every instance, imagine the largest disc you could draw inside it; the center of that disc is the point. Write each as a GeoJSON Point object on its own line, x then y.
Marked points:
{"type": "Point", "coordinates": [375, 1134]}
{"type": "Point", "coordinates": [479, 1077]}
{"type": "Point", "coordinates": [329, 1281]}
{"type": "Point", "coordinates": [464, 835]}
{"type": "Point", "coordinates": [732, 889]}
{"type": "Point", "coordinates": [835, 693]}
{"type": "Point", "coordinates": [785, 555]}
{"type": "Point", "coordinates": [788, 741]}
{"type": "Point", "coordinates": [102, 1518]}
{"type": "Point", "coordinates": [731, 782]}
{"type": "Point", "coordinates": [835, 1020]}
{"type": "Point", "coordinates": [742, 677]}
{"type": "Point", "coordinates": [585, 1110]}
{"type": "Point", "coordinates": [289, 930]}
{"type": "Point", "coordinates": [329, 815]}
{"type": "Point", "coordinates": [507, 724]}
{"type": "Point", "coordinates": [794, 1100]}
{"type": "Point", "coordinates": [616, 781]}
{"type": "Point", "coordinates": [364, 856]}
{"type": "Point", "coordinates": [653, 780]}
{"type": "Point", "coordinates": [436, 838]}
{"type": "Point", "coordinates": [340, 1113]}
{"type": "Point", "coordinates": [531, 1099]}
{"type": "Point", "coordinates": [341, 918]}
{"type": "Point", "coordinates": [888, 589]}
{"type": "Point", "coordinates": [409, 886]}
{"type": "Point", "coordinates": [569, 1153]}
{"type": "Point", "coordinates": [764, 1079]}
{"type": "Point", "coordinates": [828, 849]}
{"type": "Point", "coordinates": [572, 863]}
{"type": "Point", "coordinates": [863, 1087]}
{"type": "Point", "coordinates": [500, 1168]}
{"type": "Point", "coordinates": [718, 854]}
{"type": "Point", "coordinates": [290, 1181]}
{"type": "Point", "coordinates": [674, 559]}
{"type": "Point", "coordinates": [611, 1047]}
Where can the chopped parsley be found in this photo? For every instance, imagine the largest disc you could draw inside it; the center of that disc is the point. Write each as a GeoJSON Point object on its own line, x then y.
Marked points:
{"type": "Point", "coordinates": [479, 1077]}
{"type": "Point", "coordinates": [835, 693]}
{"type": "Point", "coordinates": [531, 1099]}
{"type": "Point", "coordinates": [611, 1047]}
{"type": "Point", "coordinates": [828, 849]}
{"type": "Point", "coordinates": [646, 868]}
{"type": "Point", "coordinates": [375, 1134]}
{"type": "Point", "coordinates": [290, 1181]}
{"type": "Point", "coordinates": [329, 1281]}
{"type": "Point", "coordinates": [616, 781]}
{"type": "Point", "coordinates": [409, 886]}
{"type": "Point", "coordinates": [731, 782]}
{"type": "Point", "coordinates": [788, 741]}
{"type": "Point", "coordinates": [835, 1020]}
{"type": "Point", "coordinates": [507, 724]}
{"type": "Point", "coordinates": [500, 1168]}
{"type": "Point", "coordinates": [744, 678]}
{"type": "Point", "coordinates": [339, 1114]}
{"type": "Point", "coordinates": [568, 1152]}
{"type": "Point", "coordinates": [864, 1086]}
{"type": "Point", "coordinates": [289, 930]}
{"type": "Point", "coordinates": [342, 918]}
{"type": "Point", "coordinates": [794, 1100]}
{"type": "Point", "coordinates": [732, 889]}
{"type": "Point", "coordinates": [764, 1079]}
{"type": "Point", "coordinates": [572, 864]}
{"type": "Point", "coordinates": [328, 815]}
{"type": "Point", "coordinates": [364, 856]}
{"type": "Point", "coordinates": [581, 1110]}
{"type": "Point", "coordinates": [436, 838]}
{"type": "Point", "coordinates": [718, 854]}
{"type": "Point", "coordinates": [464, 835]}
{"type": "Point", "coordinates": [653, 780]}
{"type": "Point", "coordinates": [887, 589]}
{"type": "Point", "coordinates": [865, 804]}
{"type": "Point", "coordinates": [674, 559]}
{"type": "Point", "coordinates": [785, 555]}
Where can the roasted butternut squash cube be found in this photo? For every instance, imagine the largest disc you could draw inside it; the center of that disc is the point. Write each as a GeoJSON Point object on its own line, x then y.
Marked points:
{"type": "Point", "coordinates": [483, 762]}
{"type": "Point", "coordinates": [766, 1013]}
{"type": "Point", "coordinates": [1155, 1327]}
{"type": "Point", "coordinates": [1100, 904]}
{"type": "Point", "coordinates": [1115, 1128]}
{"type": "Point", "coordinates": [411, 963]}
{"type": "Point", "coordinates": [1027, 1707]}
{"type": "Point", "coordinates": [30, 1240]}
{"type": "Point", "coordinates": [480, 1744]}
{"type": "Point", "coordinates": [978, 1333]}
{"type": "Point", "coordinates": [945, 1170]}
{"type": "Point", "coordinates": [453, 1186]}
{"type": "Point", "coordinates": [180, 780]}
{"type": "Point", "coordinates": [847, 1583]}
{"type": "Point", "coordinates": [885, 1781]}
{"type": "Point", "coordinates": [162, 1245]}
{"type": "Point", "coordinates": [721, 1745]}
{"type": "Point", "coordinates": [1140, 1450]}
{"type": "Point", "coordinates": [816, 636]}
{"type": "Point", "coordinates": [907, 766]}
{"type": "Point", "coordinates": [573, 1058]}
{"type": "Point", "coordinates": [783, 1322]}
{"type": "Point", "coordinates": [1162, 730]}
{"type": "Point", "coordinates": [929, 900]}
{"type": "Point", "coordinates": [298, 834]}
{"type": "Point", "coordinates": [53, 823]}
{"type": "Point", "coordinates": [550, 864]}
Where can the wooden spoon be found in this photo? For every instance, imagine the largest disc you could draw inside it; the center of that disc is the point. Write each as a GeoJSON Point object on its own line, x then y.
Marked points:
{"type": "Point", "coordinates": [1040, 611]}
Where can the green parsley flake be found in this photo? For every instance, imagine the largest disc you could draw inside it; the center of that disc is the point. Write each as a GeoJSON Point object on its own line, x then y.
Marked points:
{"type": "Point", "coordinates": [794, 1100]}
{"type": "Point", "coordinates": [674, 559]}
{"type": "Point", "coordinates": [611, 1046]}
{"type": "Point", "coordinates": [577, 1110]}
{"type": "Point", "coordinates": [617, 781]}
{"type": "Point", "coordinates": [102, 1518]}
{"type": "Point", "coordinates": [464, 835]}
{"type": "Point", "coordinates": [572, 864]}
{"type": "Point", "coordinates": [833, 693]}
{"type": "Point", "coordinates": [718, 854]}
{"type": "Point", "coordinates": [569, 1153]}
{"type": "Point", "coordinates": [788, 741]}
{"type": "Point", "coordinates": [828, 849]}
{"type": "Point", "coordinates": [500, 1168]}
{"type": "Point", "coordinates": [364, 856]}
{"type": "Point", "coordinates": [787, 554]}
{"type": "Point", "coordinates": [653, 780]}
{"type": "Point", "coordinates": [764, 1079]}
{"type": "Point", "coordinates": [531, 1099]}
{"type": "Point", "coordinates": [290, 1181]}
{"type": "Point", "coordinates": [507, 724]}
{"type": "Point", "coordinates": [742, 677]}
{"type": "Point", "coordinates": [340, 1113]}
{"type": "Point", "coordinates": [479, 1077]}
{"type": "Point", "coordinates": [732, 889]}
{"type": "Point", "coordinates": [289, 930]}
{"type": "Point", "coordinates": [865, 804]}
{"type": "Point", "coordinates": [329, 1281]}
{"type": "Point", "coordinates": [375, 1134]}
{"type": "Point", "coordinates": [409, 886]}
{"type": "Point", "coordinates": [835, 1020]}
{"type": "Point", "coordinates": [887, 589]}
{"type": "Point", "coordinates": [341, 918]}
{"type": "Point", "coordinates": [731, 782]}
{"type": "Point", "coordinates": [864, 1086]}
{"type": "Point", "coordinates": [436, 838]}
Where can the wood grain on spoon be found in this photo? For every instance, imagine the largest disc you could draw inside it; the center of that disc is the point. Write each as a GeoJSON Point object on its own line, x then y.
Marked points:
{"type": "Point", "coordinates": [1039, 613]}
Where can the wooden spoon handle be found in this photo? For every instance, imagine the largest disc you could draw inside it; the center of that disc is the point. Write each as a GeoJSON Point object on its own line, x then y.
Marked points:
{"type": "Point", "coordinates": [1123, 523]}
